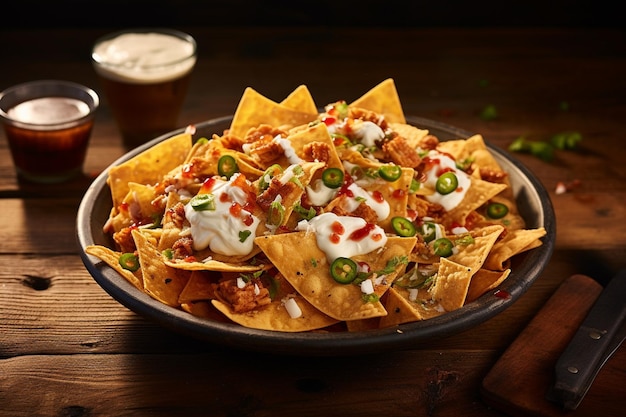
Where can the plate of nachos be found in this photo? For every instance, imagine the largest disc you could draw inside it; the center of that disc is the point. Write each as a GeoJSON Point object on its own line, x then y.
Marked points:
{"type": "Point", "coordinates": [293, 228]}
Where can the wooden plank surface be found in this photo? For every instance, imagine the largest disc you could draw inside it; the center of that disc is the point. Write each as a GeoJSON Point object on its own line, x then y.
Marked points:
{"type": "Point", "coordinates": [68, 348]}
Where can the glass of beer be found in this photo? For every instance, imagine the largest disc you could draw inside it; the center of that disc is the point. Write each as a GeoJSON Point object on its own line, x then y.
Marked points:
{"type": "Point", "coordinates": [145, 74]}
{"type": "Point", "coordinates": [48, 124]}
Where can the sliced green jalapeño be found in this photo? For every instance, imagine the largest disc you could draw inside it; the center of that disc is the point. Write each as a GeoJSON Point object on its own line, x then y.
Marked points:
{"type": "Point", "coordinates": [129, 261]}
{"type": "Point", "coordinates": [332, 177]}
{"type": "Point", "coordinates": [443, 247]}
{"type": "Point", "coordinates": [227, 166]}
{"type": "Point", "coordinates": [446, 183]}
{"type": "Point", "coordinates": [343, 270]}
{"type": "Point", "coordinates": [497, 210]}
{"type": "Point", "coordinates": [428, 231]}
{"type": "Point", "coordinates": [202, 202]}
{"type": "Point", "coordinates": [390, 172]}
{"type": "Point", "coordinates": [403, 226]}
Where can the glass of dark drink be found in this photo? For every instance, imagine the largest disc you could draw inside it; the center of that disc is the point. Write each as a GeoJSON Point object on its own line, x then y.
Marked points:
{"type": "Point", "coordinates": [48, 124]}
{"type": "Point", "coordinates": [144, 74]}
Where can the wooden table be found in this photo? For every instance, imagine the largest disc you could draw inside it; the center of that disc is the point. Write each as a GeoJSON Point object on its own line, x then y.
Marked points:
{"type": "Point", "coordinates": [68, 349]}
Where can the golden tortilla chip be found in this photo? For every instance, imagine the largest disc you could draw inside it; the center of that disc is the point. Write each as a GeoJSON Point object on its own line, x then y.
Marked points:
{"type": "Point", "coordinates": [474, 254]}
{"type": "Point", "coordinates": [478, 193]}
{"type": "Point", "coordinates": [149, 166]}
{"type": "Point", "coordinates": [161, 282]}
{"type": "Point", "coordinates": [308, 271]}
{"type": "Point", "coordinates": [255, 109]}
{"type": "Point", "coordinates": [399, 309]}
{"type": "Point", "coordinates": [301, 100]}
{"type": "Point", "coordinates": [275, 316]}
{"type": "Point", "coordinates": [199, 287]}
{"type": "Point", "coordinates": [515, 242]}
{"type": "Point", "coordinates": [112, 258]}
{"type": "Point", "coordinates": [485, 280]}
{"type": "Point", "coordinates": [451, 284]}
{"type": "Point", "coordinates": [383, 99]}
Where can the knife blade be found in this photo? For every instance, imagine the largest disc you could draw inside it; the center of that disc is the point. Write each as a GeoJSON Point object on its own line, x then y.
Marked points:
{"type": "Point", "coordinates": [597, 338]}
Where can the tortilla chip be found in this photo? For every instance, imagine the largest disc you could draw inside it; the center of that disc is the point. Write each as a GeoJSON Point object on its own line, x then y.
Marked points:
{"type": "Point", "coordinates": [255, 109]}
{"type": "Point", "coordinates": [474, 255]}
{"type": "Point", "coordinates": [205, 310]}
{"type": "Point", "coordinates": [485, 280]}
{"type": "Point", "coordinates": [301, 100]}
{"type": "Point", "coordinates": [413, 134]}
{"type": "Point", "coordinates": [383, 99]}
{"type": "Point", "coordinates": [399, 308]}
{"type": "Point", "coordinates": [149, 166]}
{"type": "Point", "coordinates": [451, 284]}
{"type": "Point", "coordinates": [112, 258]}
{"type": "Point", "coordinates": [515, 242]}
{"type": "Point", "coordinates": [478, 194]}
{"type": "Point", "coordinates": [308, 271]}
{"type": "Point", "coordinates": [199, 287]}
{"type": "Point", "coordinates": [276, 318]}
{"type": "Point", "coordinates": [161, 282]}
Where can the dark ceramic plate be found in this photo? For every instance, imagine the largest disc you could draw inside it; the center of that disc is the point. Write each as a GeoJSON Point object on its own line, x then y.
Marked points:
{"type": "Point", "coordinates": [534, 205]}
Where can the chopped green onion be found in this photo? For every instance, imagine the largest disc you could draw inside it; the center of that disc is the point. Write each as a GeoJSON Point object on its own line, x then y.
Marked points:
{"type": "Point", "coordinates": [566, 140]}
{"type": "Point", "coordinates": [343, 270]}
{"type": "Point", "coordinates": [227, 166]}
{"type": "Point", "coordinates": [202, 202]}
{"type": "Point", "coordinates": [415, 185]}
{"type": "Point", "coordinates": [306, 214]}
{"type": "Point", "coordinates": [370, 298]}
{"type": "Point", "coordinates": [446, 183]}
{"type": "Point", "coordinates": [403, 226]}
{"type": "Point", "coordinates": [464, 240]}
{"type": "Point", "coordinates": [243, 235]}
{"type": "Point", "coordinates": [276, 214]}
{"type": "Point", "coordinates": [332, 177]}
{"type": "Point", "coordinates": [129, 261]}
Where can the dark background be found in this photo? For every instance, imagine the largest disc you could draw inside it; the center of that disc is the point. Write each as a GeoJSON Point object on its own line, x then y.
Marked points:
{"type": "Point", "coordinates": [39, 14]}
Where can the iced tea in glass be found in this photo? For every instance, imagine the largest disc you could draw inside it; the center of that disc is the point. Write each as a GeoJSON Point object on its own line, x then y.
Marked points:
{"type": "Point", "coordinates": [48, 125]}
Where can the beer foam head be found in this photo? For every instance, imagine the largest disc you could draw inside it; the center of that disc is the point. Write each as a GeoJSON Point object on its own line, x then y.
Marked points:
{"type": "Point", "coordinates": [144, 57]}
{"type": "Point", "coordinates": [49, 110]}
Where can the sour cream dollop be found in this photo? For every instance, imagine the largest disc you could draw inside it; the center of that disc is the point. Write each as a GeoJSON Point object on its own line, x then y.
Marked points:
{"type": "Point", "coordinates": [344, 236]}
{"type": "Point", "coordinates": [439, 163]}
{"type": "Point", "coordinates": [223, 230]}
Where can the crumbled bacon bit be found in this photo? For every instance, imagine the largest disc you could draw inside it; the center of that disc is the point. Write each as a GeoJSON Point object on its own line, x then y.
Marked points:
{"type": "Point", "coordinates": [124, 240]}
{"type": "Point", "coordinates": [316, 151]}
{"type": "Point", "coordinates": [183, 247]}
{"type": "Point", "coordinates": [247, 298]}
{"type": "Point", "coordinates": [401, 153]}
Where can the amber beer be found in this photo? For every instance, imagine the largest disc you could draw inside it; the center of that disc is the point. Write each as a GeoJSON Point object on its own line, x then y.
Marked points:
{"type": "Point", "coordinates": [48, 125]}
{"type": "Point", "coordinates": [145, 76]}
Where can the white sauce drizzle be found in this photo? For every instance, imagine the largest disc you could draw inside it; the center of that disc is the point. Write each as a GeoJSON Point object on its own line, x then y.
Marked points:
{"type": "Point", "coordinates": [323, 227]}
{"type": "Point", "coordinates": [218, 229]}
{"type": "Point", "coordinates": [381, 208]}
{"type": "Point", "coordinates": [451, 200]}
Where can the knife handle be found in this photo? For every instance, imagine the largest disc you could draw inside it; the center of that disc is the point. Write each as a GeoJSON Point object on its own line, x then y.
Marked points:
{"type": "Point", "coordinates": [596, 339]}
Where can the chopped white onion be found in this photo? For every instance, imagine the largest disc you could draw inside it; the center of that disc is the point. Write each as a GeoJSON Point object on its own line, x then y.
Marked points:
{"type": "Point", "coordinates": [292, 307]}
